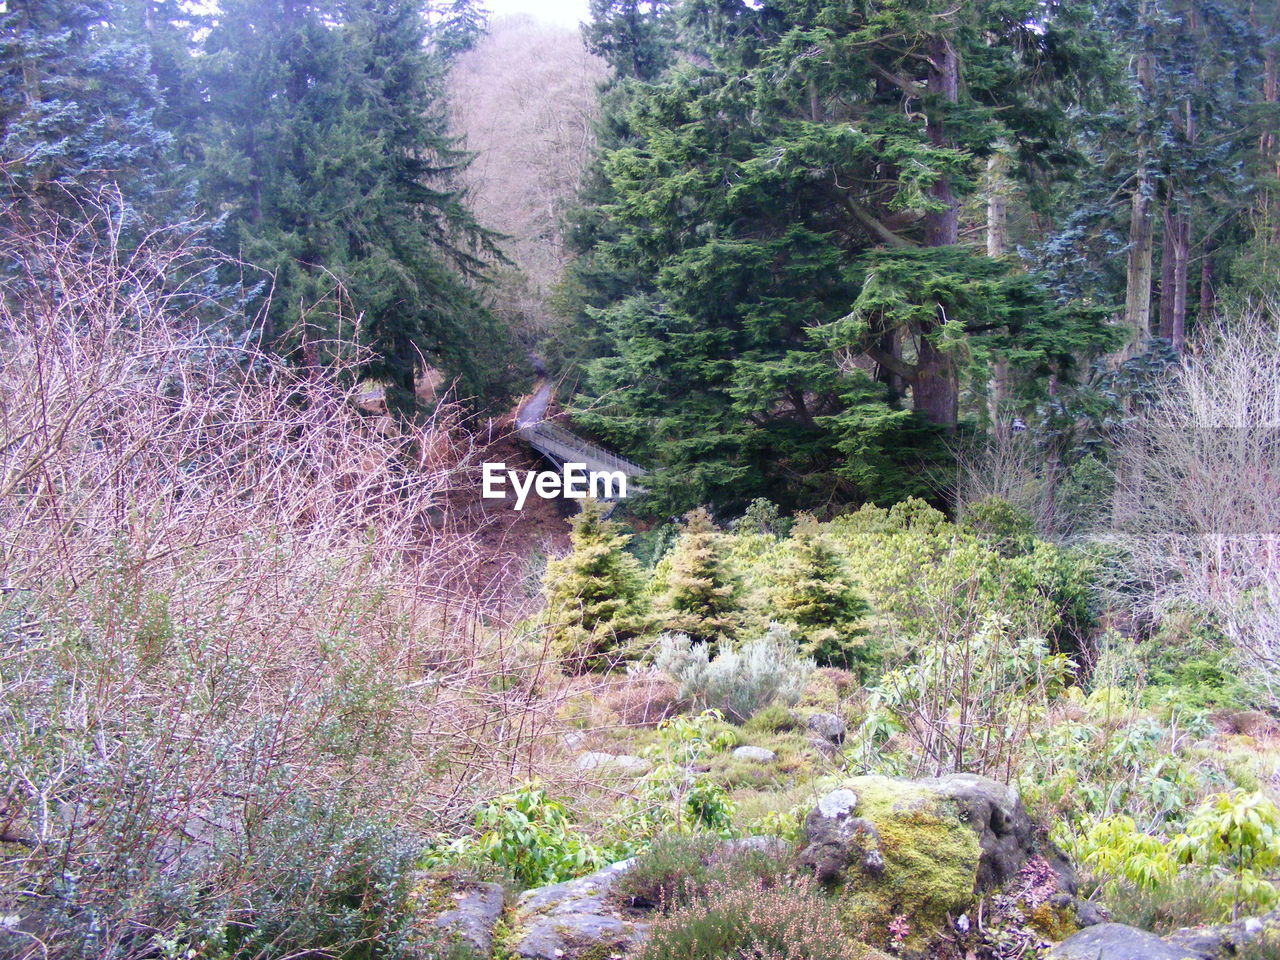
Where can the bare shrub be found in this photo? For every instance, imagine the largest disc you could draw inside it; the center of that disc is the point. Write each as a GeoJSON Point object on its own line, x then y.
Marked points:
{"type": "Point", "coordinates": [1197, 503]}
{"type": "Point", "coordinates": [235, 662]}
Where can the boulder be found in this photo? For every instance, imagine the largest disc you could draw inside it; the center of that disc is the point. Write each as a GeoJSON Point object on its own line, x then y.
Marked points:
{"type": "Point", "coordinates": [927, 849]}
{"type": "Point", "coordinates": [1228, 939]}
{"type": "Point", "coordinates": [619, 764]}
{"type": "Point", "coordinates": [1116, 941]}
{"type": "Point", "coordinates": [574, 919]}
{"type": "Point", "coordinates": [756, 754]}
{"type": "Point", "coordinates": [455, 911]}
{"type": "Point", "coordinates": [472, 919]}
{"type": "Point", "coordinates": [894, 848]}
{"type": "Point", "coordinates": [826, 727]}
{"type": "Point", "coordinates": [994, 812]}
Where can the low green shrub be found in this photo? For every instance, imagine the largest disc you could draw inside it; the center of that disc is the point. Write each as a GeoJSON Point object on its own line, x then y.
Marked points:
{"type": "Point", "coordinates": [774, 718]}
{"type": "Point", "coordinates": [1230, 849]}
{"type": "Point", "coordinates": [526, 834]}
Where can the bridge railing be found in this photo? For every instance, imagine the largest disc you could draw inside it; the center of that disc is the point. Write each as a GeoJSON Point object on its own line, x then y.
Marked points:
{"type": "Point", "coordinates": [567, 447]}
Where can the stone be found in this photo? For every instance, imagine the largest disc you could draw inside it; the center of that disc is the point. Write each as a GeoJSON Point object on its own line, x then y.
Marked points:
{"type": "Point", "coordinates": [756, 754]}
{"type": "Point", "coordinates": [1227, 939]}
{"type": "Point", "coordinates": [619, 764]}
{"type": "Point", "coordinates": [1116, 941]}
{"type": "Point", "coordinates": [827, 727]}
{"type": "Point", "coordinates": [995, 812]}
{"type": "Point", "coordinates": [574, 919]}
{"type": "Point", "coordinates": [474, 916]}
{"type": "Point", "coordinates": [839, 840]}
{"type": "Point", "coordinates": [455, 911]}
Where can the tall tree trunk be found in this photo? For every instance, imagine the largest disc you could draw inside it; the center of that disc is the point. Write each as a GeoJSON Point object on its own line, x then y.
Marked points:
{"type": "Point", "coordinates": [1166, 271]}
{"type": "Point", "coordinates": [935, 392]}
{"type": "Point", "coordinates": [1137, 301]}
{"type": "Point", "coordinates": [1181, 256]}
{"type": "Point", "coordinates": [997, 245]}
{"type": "Point", "coordinates": [942, 227]}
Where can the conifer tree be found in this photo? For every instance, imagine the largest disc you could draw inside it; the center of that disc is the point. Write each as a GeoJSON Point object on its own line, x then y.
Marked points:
{"type": "Point", "coordinates": [767, 184]}
{"type": "Point", "coordinates": [78, 106]}
{"type": "Point", "coordinates": [814, 598]}
{"type": "Point", "coordinates": [702, 598]}
{"type": "Point", "coordinates": [593, 594]}
{"type": "Point", "coordinates": [329, 158]}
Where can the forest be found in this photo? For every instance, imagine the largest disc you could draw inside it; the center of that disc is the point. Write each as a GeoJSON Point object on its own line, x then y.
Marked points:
{"type": "Point", "coordinates": [934, 613]}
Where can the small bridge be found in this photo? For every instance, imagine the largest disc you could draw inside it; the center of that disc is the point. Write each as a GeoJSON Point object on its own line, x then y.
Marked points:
{"type": "Point", "coordinates": [562, 446]}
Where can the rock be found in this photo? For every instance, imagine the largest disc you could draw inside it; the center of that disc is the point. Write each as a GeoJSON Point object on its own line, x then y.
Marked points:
{"type": "Point", "coordinates": [1116, 941]}
{"type": "Point", "coordinates": [568, 921]}
{"type": "Point", "coordinates": [994, 811]}
{"type": "Point", "coordinates": [472, 920]}
{"type": "Point", "coordinates": [927, 849]}
{"type": "Point", "coordinates": [619, 764]}
{"type": "Point", "coordinates": [758, 754]}
{"type": "Point", "coordinates": [894, 848]}
{"type": "Point", "coordinates": [827, 727]}
{"type": "Point", "coordinates": [839, 840]}
{"type": "Point", "coordinates": [1228, 939]}
{"type": "Point", "coordinates": [455, 911]}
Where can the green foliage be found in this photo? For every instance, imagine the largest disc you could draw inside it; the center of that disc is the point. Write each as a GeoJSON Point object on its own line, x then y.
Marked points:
{"type": "Point", "coordinates": [740, 681]}
{"type": "Point", "coordinates": [526, 834]}
{"type": "Point", "coordinates": [814, 599]}
{"type": "Point", "coordinates": [1000, 525]}
{"type": "Point", "coordinates": [973, 697]}
{"type": "Point", "coordinates": [774, 718]}
{"type": "Point", "coordinates": [701, 596]}
{"type": "Point", "coordinates": [79, 108]}
{"type": "Point", "coordinates": [593, 594]}
{"type": "Point", "coordinates": [1231, 844]}
{"type": "Point", "coordinates": [667, 798]}
{"type": "Point", "coordinates": [761, 205]}
{"type": "Point", "coordinates": [329, 159]}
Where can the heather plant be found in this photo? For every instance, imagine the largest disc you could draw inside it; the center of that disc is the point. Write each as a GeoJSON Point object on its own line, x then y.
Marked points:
{"type": "Point", "coordinates": [679, 868]}
{"type": "Point", "coordinates": [759, 920]}
{"type": "Point", "coordinates": [739, 682]}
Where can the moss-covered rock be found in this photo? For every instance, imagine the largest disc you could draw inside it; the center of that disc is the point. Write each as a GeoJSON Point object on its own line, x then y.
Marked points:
{"type": "Point", "coordinates": [915, 861]}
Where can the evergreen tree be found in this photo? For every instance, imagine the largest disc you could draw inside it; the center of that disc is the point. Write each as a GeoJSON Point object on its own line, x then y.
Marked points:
{"type": "Point", "coordinates": [813, 597]}
{"type": "Point", "coordinates": [78, 106]}
{"type": "Point", "coordinates": [701, 597]}
{"type": "Point", "coordinates": [593, 594]}
{"type": "Point", "coordinates": [767, 187]}
{"type": "Point", "coordinates": [329, 158]}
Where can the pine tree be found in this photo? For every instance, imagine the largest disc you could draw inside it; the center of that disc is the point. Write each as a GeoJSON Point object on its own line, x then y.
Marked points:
{"type": "Point", "coordinates": [78, 105]}
{"type": "Point", "coordinates": [593, 594]}
{"type": "Point", "coordinates": [701, 597]}
{"type": "Point", "coordinates": [329, 157]}
{"type": "Point", "coordinates": [765, 188]}
{"type": "Point", "coordinates": [813, 597]}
